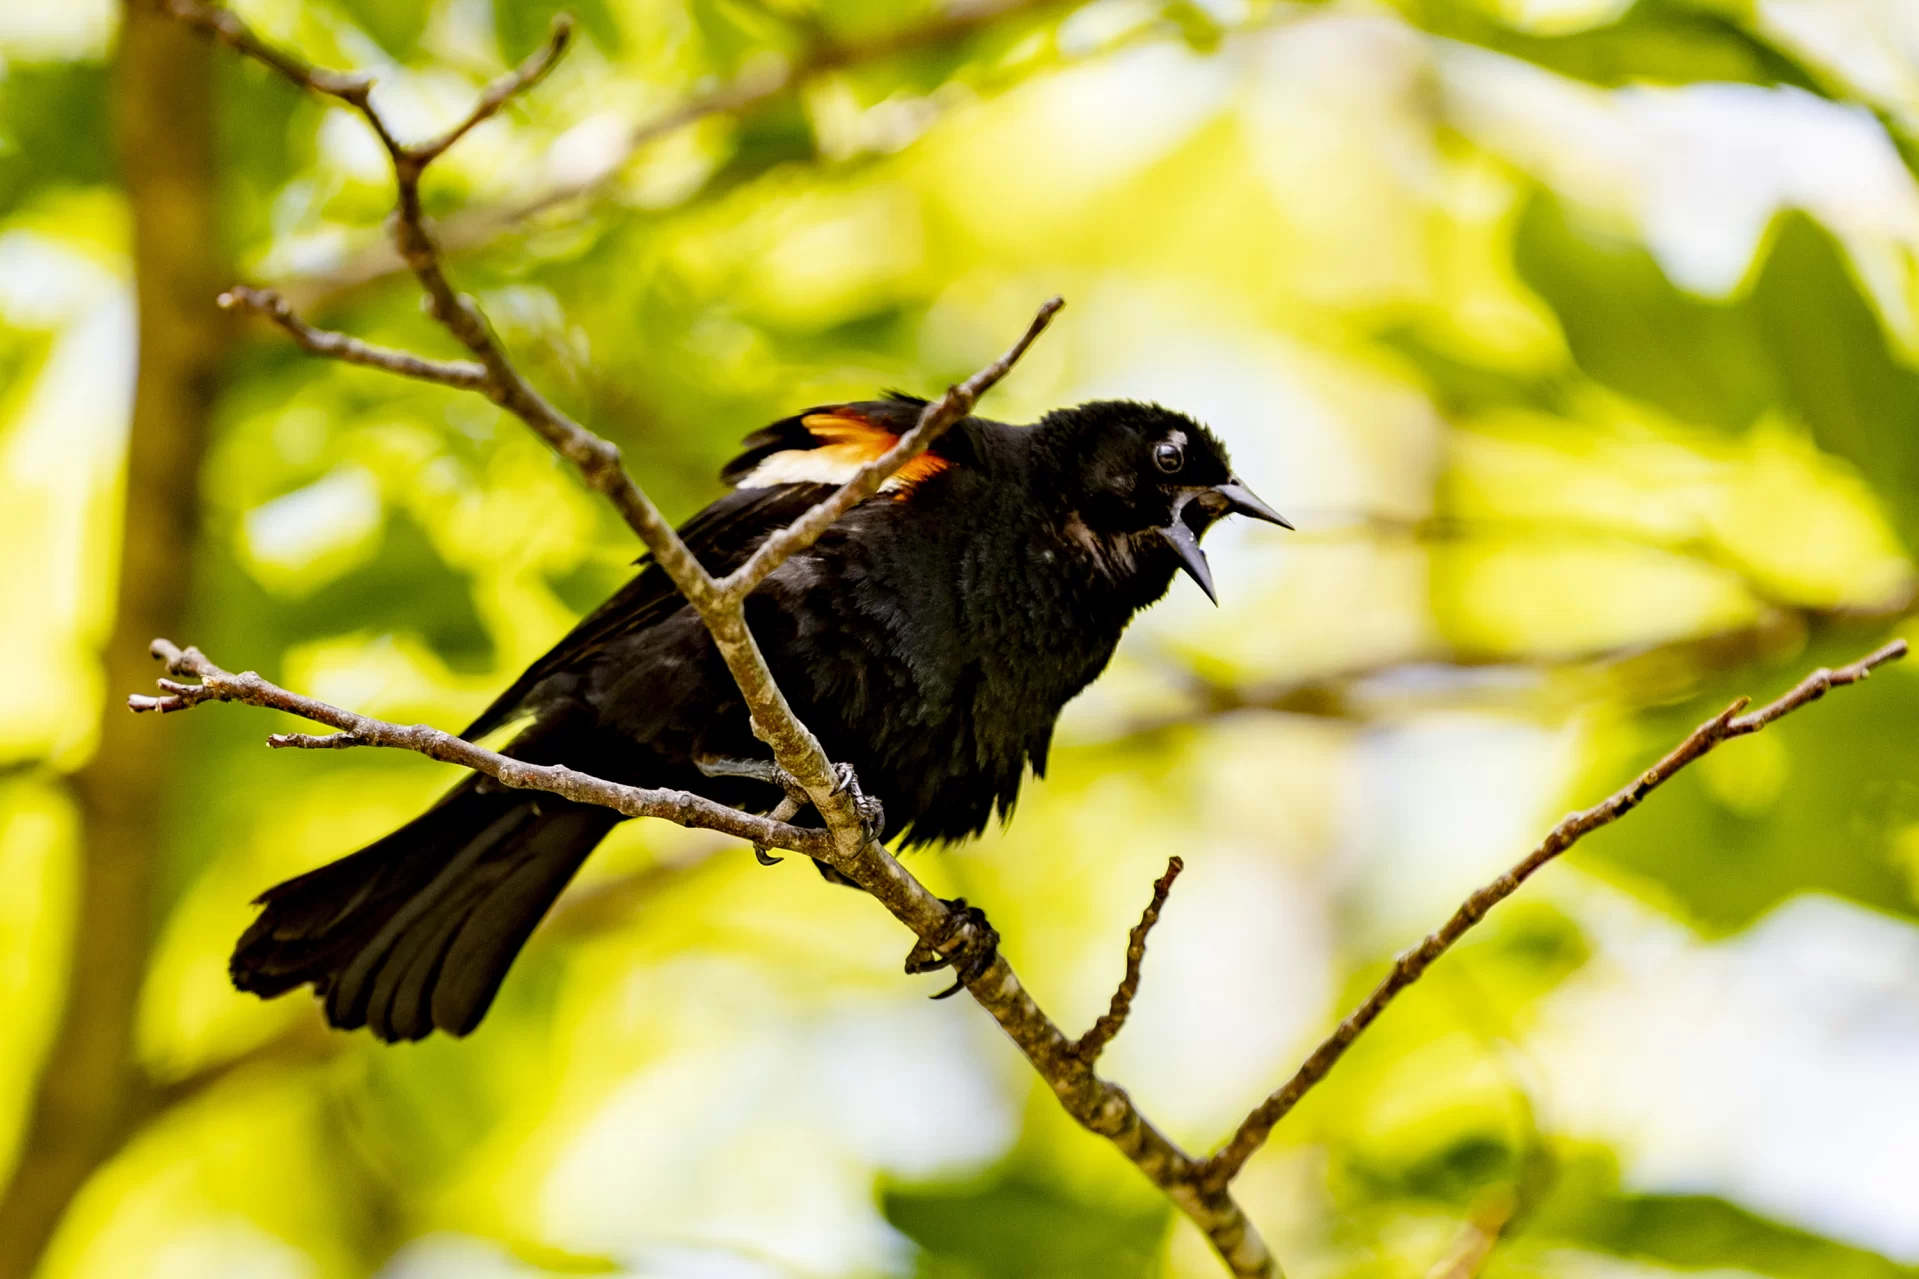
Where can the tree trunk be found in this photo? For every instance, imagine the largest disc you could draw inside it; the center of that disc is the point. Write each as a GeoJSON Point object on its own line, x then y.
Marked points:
{"type": "Point", "coordinates": [92, 1091]}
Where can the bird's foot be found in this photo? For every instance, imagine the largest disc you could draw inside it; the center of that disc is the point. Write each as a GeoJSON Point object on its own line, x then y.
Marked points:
{"type": "Point", "coordinates": [872, 812]}
{"type": "Point", "coordinates": [758, 770]}
{"type": "Point", "coordinates": [970, 946]}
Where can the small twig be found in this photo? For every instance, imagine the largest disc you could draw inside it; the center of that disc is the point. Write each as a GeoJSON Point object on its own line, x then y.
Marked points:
{"type": "Point", "coordinates": [1224, 1164]}
{"type": "Point", "coordinates": [761, 85]}
{"type": "Point", "coordinates": [1485, 1223]}
{"type": "Point", "coordinates": [934, 421]}
{"type": "Point", "coordinates": [501, 91]}
{"type": "Point", "coordinates": [223, 25]}
{"type": "Point", "coordinates": [1091, 1044]}
{"type": "Point", "coordinates": [686, 809]}
{"type": "Point", "coordinates": [464, 374]}
{"type": "Point", "coordinates": [1814, 687]}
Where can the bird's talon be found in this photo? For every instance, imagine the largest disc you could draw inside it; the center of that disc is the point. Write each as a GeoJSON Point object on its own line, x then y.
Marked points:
{"type": "Point", "coordinates": [765, 858]}
{"type": "Point", "coordinates": [872, 817]}
{"type": "Point", "coordinates": [872, 813]}
{"type": "Point", "coordinates": [970, 946]}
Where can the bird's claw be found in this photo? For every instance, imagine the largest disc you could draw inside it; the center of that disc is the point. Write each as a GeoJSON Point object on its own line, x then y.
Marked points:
{"type": "Point", "coordinates": [970, 945]}
{"type": "Point", "coordinates": [872, 812]}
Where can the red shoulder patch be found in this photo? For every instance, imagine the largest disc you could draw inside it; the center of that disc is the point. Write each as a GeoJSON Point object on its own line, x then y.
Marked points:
{"type": "Point", "coordinates": [827, 446]}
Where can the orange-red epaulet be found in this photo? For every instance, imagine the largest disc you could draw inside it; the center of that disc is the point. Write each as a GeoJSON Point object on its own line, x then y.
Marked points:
{"type": "Point", "coordinates": [828, 445]}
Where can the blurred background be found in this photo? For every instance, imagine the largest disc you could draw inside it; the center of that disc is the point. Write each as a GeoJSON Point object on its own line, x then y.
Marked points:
{"type": "Point", "coordinates": [1579, 337]}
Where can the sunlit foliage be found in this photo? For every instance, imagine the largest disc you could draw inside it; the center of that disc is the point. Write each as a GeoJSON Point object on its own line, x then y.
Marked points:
{"type": "Point", "coordinates": [1579, 337]}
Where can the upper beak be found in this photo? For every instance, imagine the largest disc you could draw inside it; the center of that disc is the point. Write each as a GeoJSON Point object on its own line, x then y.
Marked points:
{"type": "Point", "coordinates": [1230, 498]}
{"type": "Point", "coordinates": [1240, 501]}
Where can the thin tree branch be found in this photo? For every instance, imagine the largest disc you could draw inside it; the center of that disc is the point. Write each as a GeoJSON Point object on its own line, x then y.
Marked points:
{"type": "Point", "coordinates": [501, 91]}
{"type": "Point", "coordinates": [463, 374]}
{"type": "Point", "coordinates": [1091, 1044]}
{"type": "Point", "coordinates": [680, 807]}
{"type": "Point", "coordinates": [759, 87]}
{"type": "Point", "coordinates": [1485, 1224]}
{"type": "Point", "coordinates": [1638, 674]}
{"type": "Point", "coordinates": [1224, 1165]}
{"type": "Point", "coordinates": [1197, 1187]}
{"type": "Point", "coordinates": [225, 26]}
{"type": "Point", "coordinates": [756, 88]}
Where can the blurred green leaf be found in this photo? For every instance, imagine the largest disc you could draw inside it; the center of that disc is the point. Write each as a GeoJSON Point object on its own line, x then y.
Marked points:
{"type": "Point", "coordinates": [395, 24]}
{"type": "Point", "coordinates": [1629, 327]}
{"type": "Point", "coordinates": [777, 134]}
{"type": "Point", "coordinates": [1801, 341]}
{"type": "Point", "coordinates": [1021, 1227]}
{"type": "Point", "coordinates": [1839, 372]}
{"type": "Point", "coordinates": [1587, 1207]}
{"type": "Point", "coordinates": [405, 588]}
{"type": "Point", "coordinates": [523, 25]}
{"type": "Point", "coordinates": [54, 128]}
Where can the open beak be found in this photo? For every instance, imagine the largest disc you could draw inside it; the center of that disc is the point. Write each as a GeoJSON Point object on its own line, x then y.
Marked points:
{"type": "Point", "coordinates": [1230, 498]}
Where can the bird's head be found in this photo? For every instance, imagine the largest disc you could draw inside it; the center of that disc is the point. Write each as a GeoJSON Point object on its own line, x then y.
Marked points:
{"type": "Point", "coordinates": [1144, 483]}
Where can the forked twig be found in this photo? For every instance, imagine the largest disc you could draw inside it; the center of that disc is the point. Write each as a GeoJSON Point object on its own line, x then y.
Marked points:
{"type": "Point", "coordinates": [1409, 966]}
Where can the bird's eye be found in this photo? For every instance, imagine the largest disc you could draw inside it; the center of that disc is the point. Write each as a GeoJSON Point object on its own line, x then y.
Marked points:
{"type": "Point", "coordinates": [1168, 457]}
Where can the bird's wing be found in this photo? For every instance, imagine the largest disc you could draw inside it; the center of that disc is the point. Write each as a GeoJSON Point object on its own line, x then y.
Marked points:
{"type": "Point", "coordinates": [783, 471]}
{"type": "Point", "coordinates": [722, 536]}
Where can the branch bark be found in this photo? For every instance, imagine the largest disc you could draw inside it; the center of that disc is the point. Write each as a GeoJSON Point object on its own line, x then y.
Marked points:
{"type": "Point", "coordinates": [680, 807]}
{"type": "Point", "coordinates": [91, 1092]}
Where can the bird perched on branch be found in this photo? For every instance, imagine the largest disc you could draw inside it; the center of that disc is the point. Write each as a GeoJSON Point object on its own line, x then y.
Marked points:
{"type": "Point", "coordinates": [930, 639]}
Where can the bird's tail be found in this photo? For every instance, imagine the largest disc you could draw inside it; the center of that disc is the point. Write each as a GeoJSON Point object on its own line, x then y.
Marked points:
{"type": "Point", "coordinates": [414, 933]}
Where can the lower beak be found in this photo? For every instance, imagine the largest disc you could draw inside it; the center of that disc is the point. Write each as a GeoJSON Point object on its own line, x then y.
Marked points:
{"type": "Point", "coordinates": [1185, 544]}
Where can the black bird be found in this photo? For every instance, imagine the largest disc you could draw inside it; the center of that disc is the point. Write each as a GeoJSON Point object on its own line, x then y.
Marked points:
{"type": "Point", "coordinates": [930, 639]}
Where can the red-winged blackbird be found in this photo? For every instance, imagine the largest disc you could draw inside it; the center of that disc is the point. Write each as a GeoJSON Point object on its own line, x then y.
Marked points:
{"type": "Point", "coordinates": [930, 639]}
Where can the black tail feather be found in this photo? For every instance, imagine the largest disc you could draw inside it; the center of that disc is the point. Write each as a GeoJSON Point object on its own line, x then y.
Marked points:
{"type": "Point", "coordinates": [415, 933]}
